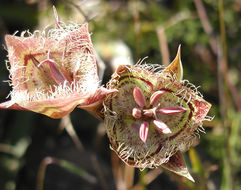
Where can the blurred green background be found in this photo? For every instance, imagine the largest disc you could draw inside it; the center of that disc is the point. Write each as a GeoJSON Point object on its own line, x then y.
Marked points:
{"type": "Point", "coordinates": [124, 32]}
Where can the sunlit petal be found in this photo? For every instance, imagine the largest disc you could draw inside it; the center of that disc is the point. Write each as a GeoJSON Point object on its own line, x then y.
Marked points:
{"type": "Point", "coordinates": [139, 97]}
{"type": "Point", "coordinates": [171, 110]}
{"type": "Point", "coordinates": [161, 126]}
{"type": "Point", "coordinates": [136, 113]}
{"type": "Point", "coordinates": [155, 96]}
{"type": "Point", "coordinates": [143, 131]}
{"type": "Point", "coordinates": [43, 70]}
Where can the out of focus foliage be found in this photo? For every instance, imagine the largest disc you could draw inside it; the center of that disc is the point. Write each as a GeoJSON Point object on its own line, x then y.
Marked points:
{"type": "Point", "coordinates": [128, 30]}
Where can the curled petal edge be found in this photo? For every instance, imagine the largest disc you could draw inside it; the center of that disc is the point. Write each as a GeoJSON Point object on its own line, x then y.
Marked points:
{"type": "Point", "coordinates": [12, 106]}
{"type": "Point", "coordinates": [94, 103]}
{"type": "Point", "coordinates": [61, 107]}
{"type": "Point", "coordinates": [55, 108]}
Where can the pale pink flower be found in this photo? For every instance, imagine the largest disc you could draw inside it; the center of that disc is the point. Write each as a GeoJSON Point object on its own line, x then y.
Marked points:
{"type": "Point", "coordinates": [53, 71]}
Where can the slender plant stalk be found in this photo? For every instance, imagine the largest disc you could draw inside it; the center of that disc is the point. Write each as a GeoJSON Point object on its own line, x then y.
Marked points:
{"type": "Point", "coordinates": [42, 171]}
{"type": "Point", "coordinates": [137, 27]}
{"type": "Point", "coordinates": [223, 85]}
{"type": "Point", "coordinates": [213, 43]}
{"type": "Point", "coordinates": [224, 100]}
{"type": "Point", "coordinates": [162, 36]}
{"type": "Point", "coordinates": [99, 172]}
{"type": "Point", "coordinates": [115, 168]}
{"type": "Point", "coordinates": [235, 94]}
{"type": "Point", "coordinates": [64, 164]}
{"type": "Point", "coordinates": [68, 126]}
{"type": "Point", "coordinates": [177, 18]}
{"type": "Point", "coordinates": [206, 24]}
{"type": "Point", "coordinates": [147, 178]}
{"type": "Point", "coordinates": [142, 181]}
{"type": "Point", "coordinates": [163, 46]}
{"type": "Point", "coordinates": [129, 176]}
{"type": "Point", "coordinates": [79, 8]}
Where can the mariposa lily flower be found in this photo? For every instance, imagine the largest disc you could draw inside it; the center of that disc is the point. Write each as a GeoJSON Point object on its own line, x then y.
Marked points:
{"type": "Point", "coordinates": [53, 71]}
{"type": "Point", "coordinates": [154, 116]}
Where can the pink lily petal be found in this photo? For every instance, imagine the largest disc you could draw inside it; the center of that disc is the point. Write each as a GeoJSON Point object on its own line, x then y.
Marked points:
{"type": "Point", "coordinates": [42, 70]}
{"type": "Point", "coordinates": [139, 97]}
{"type": "Point", "coordinates": [143, 131]}
{"type": "Point", "coordinates": [162, 126]}
{"type": "Point", "coordinates": [136, 113]}
{"type": "Point", "coordinates": [171, 110]}
{"type": "Point", "coordinates": [155, 96]}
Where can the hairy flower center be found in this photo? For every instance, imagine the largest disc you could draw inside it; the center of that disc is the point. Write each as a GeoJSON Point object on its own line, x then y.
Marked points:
{"type": "Point", "coordinates": [58, 75]}
{"type": "Point", "coordinates": [151, 112]}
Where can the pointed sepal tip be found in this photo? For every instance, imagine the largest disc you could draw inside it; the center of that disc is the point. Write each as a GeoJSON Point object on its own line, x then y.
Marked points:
{"type": "Point", "coordinates": [178, 165]}
{"type": "Point", "coordinates": [175, 67]}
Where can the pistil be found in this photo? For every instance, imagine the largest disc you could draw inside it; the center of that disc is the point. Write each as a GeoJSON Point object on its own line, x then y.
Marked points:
{"type": "Point", "coordinates": [56, 74]}
{"type": "Point", "coordinates": [151, 112]}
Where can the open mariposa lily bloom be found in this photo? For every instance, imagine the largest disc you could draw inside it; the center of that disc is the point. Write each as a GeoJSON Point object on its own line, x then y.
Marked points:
{"type": "Point", "coordinates": [154, 116]}
{"type": "Point", "coordinates": [53, 71]}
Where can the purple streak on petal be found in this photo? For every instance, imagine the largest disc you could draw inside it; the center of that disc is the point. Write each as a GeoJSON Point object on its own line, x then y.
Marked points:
{"type": "Point", "coordinates": [139, 97]}
{"type": "Point", "coordinates": [155, 96]}
{"type": "Point", "coordinates": [56, 74]}
{"type": "Point", "coordinates": [36, 63]}
{"type": "Point", "coordinates": [171, 110]}
{"type": "Point", "coordinates": [143, 131]}
{"type": "Point", "coordinates": [161, 126]}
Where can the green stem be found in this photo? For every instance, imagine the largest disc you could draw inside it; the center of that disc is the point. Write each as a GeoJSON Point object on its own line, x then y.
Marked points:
{"type": "Point", "coordinates": [224, 99]}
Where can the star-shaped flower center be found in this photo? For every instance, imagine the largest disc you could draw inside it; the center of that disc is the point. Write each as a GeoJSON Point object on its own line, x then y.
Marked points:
{"type": "Point", "coordinates": [58, 75]}
{"type": "Point", "coordinates": [151, 112]}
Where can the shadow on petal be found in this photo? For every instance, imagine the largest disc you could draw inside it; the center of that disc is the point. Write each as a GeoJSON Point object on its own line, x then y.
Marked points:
{"type": "Point", "coordinates": [178, 165]}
